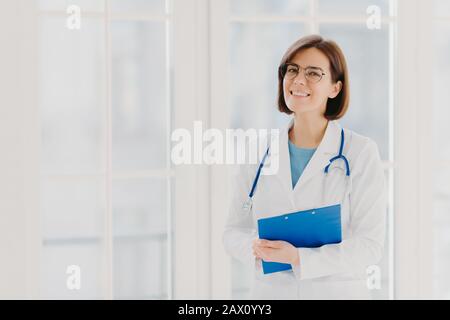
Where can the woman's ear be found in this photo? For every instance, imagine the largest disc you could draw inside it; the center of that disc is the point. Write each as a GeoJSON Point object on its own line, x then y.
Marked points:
{"type": "Point", "coordinates": [335, 90]}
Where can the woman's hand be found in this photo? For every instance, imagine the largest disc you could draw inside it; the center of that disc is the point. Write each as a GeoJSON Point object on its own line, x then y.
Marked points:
{"type": "Point", "coordinates": [276, 251]}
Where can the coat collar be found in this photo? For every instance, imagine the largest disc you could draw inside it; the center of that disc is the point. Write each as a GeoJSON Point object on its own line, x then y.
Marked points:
{"type": "Point", "coordinates": [328, 147]}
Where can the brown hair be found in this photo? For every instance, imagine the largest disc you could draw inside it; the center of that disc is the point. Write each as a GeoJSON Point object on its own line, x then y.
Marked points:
{"type": "Point", "coordinates": [337, 106]}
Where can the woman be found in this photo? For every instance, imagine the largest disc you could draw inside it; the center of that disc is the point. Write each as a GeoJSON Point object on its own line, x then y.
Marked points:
{"type": "Point", "coordinates": [314, 89]}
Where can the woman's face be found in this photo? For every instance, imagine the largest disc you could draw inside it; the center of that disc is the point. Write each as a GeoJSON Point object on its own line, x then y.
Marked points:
{"type": "Point", "coordinates": [302, 95]}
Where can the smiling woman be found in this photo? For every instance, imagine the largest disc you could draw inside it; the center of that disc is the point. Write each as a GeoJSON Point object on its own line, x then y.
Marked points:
{"type": "Point", "coordinates": [326, 62]}
{"type": "Point", "coordinates": [339, 164]}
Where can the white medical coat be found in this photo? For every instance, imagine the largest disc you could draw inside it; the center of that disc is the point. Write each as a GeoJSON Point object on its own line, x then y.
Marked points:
{"type": "Point", "coordinates": [334, 271]}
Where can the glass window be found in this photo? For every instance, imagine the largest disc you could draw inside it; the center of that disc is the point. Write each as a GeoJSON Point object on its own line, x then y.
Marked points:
{"type": "Point", "coordinates": [140, 134]}
{"type": "Point", "coordinates": [139, 96]}
{"type": "Point", "coordinates": [351, 7]}
{"type": "Point", "coordinates": [138, 6]}
{"type": "Point", "coordinates": [139, 206]}
{"type": "Point", "coordinates": [140, 239]}
{"type": "Point", "coordinates": [57, 256]}
{"type": "Point", "coordinates": [140, 267]}
{"type": "Point", "coordinates": [367, 54]}
{"type": "Point", "coordinates": [72, 207]}
{"type": "Point", "coordinates": [71, 102]}
{"type": "Point", "coordinates": [71, 96]}
{"type": "Point", "coordinates": [72, 99]}
{"type": "Point", "coordinates": [269, 7]}
{"type": "Point", "coordinates": [62, 5]}
{"type": "Point", "coordinates": [254, 72]}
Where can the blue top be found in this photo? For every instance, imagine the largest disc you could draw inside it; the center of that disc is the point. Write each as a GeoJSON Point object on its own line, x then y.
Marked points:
{"type": "Point", "coordinates": [299, 158]}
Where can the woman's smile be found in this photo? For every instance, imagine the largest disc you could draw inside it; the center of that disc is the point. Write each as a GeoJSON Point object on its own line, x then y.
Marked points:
{"type": "Point", "coordinates": [299, 94]}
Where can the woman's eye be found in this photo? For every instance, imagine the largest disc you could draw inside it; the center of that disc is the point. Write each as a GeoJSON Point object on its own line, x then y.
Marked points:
{"type": "Point", "coordinates": [313, 74]}
{"type": "Point", "coordinates": [292, 70]}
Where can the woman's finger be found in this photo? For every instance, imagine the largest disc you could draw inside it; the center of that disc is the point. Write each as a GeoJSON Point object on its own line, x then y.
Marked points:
{"type": "Point", "coordinates": [258, 253]}
{"type": "Point", "coordinates": [264, 254]}
{"type": "Point", "coordinates": [271, 244]}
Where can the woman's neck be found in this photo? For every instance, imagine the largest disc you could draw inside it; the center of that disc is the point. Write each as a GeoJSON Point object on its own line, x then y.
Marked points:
{"type": "Point", "coordinates": [307, 132]}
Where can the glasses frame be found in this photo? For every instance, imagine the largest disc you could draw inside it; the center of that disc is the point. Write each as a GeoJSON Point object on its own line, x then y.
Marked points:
{"type": "Point", "coordinates": [283, 71]}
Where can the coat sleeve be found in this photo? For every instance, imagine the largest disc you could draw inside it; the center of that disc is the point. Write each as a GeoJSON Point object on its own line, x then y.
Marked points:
{"type": "Point", "coordinates": [240, 227]}
{"type": "Point", "coordinates": [368, 206]}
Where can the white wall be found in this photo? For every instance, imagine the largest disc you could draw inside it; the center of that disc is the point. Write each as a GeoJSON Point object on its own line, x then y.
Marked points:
{"type": "Point", "coordinates": [19, 221]}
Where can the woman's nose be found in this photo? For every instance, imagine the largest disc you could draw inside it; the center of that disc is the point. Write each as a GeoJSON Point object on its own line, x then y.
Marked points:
{"type": "Point", "coordinates": [300, 78]}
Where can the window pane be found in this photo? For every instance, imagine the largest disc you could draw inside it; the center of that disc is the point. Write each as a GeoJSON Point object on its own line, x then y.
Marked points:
{"type": "Point", "coordinates": [71, 102]}
{"type": "Point", "coordinates": [351, 7]}
{"type": "Point", "coordinates": [442, 8]}
{"type": "Point", "coordinates": [441, 94]}
{"type": "Point", "coordinates": [54, 273]}
{"type": "Point", "coordinates": [140, 267]}
{"type": "Point", "coordinates": [254, 72]}
{"type": "Point", "coordinates": [367, 54]}
{"type": "Point", "coordinates": [139, 96]}
{"type": "Point", "coordinates": [272, 7]}
{"type": "Point", "coordinates": [138, 6]}
{"type": "Point", "coordinates": [72, 208]}
{"type": "Point", "coordinates": [140, 238]}
{"type": "Point", "coordinates": [71, 96]}
{"type": "Point", "coordinates": [62, 5]}
{"type": "Point", "coordinates": [442, 187]}
{"type": "Point", "coordinates": [139, 206]}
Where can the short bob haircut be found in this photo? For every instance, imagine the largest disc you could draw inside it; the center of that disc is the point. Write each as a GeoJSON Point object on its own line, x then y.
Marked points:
{"type": "Point", "coordinates": [337, 106]}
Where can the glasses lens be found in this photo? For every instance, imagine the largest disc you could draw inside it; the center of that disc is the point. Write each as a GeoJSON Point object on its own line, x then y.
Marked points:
{"type": "Point", "coordinates": [313, 75]}
{"type": "Point", "coordinates": [291, 72]}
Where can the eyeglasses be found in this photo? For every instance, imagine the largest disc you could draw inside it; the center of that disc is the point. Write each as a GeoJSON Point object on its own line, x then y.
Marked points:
{"type": "Point", "coordinates": [290, 71]}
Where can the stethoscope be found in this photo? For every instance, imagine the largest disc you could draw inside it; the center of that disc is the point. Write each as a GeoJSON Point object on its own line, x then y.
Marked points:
{"type": "Point", "coordinates": [249, 202]}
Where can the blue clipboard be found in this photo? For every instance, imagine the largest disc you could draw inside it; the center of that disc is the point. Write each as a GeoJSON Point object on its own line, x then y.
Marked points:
{"type": "Point", "coordinates": [304, 229]}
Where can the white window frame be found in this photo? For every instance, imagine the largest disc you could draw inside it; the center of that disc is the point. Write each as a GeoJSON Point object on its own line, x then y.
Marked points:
{"type": "Point", "coordinates": [191, 87]}
{"type": "Point", "coordinates": [413, 176]}
{"type": "Point", "coordinates": [19, 165]}
{"type": "Point", "coordinates": [187, 219]}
